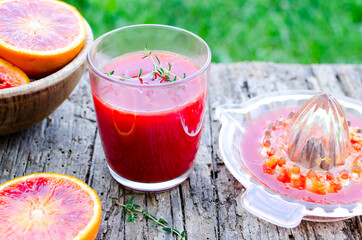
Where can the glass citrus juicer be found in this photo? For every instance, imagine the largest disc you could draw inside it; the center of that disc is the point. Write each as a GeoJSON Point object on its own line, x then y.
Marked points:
{"type": "Point", "coordinates": [298, 154]}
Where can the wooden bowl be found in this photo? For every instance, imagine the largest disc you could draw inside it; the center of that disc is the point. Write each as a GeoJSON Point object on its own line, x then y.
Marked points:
{"type": "Point", "coordinates": [26, 105]}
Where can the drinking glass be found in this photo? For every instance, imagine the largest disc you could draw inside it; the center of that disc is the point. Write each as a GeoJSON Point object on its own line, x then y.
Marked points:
{"type": "Point", "coordinates": [150, 132]}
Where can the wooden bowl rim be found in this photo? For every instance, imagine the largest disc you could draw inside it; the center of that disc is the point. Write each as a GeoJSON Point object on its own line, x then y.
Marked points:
{"type": "Point", "coordinates": [52, 79]}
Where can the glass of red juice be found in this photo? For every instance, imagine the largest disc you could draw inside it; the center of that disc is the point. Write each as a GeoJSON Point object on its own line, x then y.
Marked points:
{"type": "Point", "coordinates": [149, 86]}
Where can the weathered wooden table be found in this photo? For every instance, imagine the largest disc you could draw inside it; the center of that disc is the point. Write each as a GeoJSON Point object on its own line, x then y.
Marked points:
{"type": "Point", "coordinates": [207, 204]}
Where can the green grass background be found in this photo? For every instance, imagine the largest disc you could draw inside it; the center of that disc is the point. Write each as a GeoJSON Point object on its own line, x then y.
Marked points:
{"type": "Point", "coordinates": [294, 31]}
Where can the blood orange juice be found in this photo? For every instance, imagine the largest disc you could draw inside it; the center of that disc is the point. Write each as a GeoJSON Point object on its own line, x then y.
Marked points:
{"type": "Point", "coordinates": [254, 161]}
{"type": "Point", "coordinates": [150, 108]}
{"type": "Point", "coordinates": [145, 144]}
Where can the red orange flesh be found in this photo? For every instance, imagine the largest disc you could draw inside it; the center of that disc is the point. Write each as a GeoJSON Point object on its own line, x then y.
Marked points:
{"type": "Point", "coordinates": [40, 36]}
{"type": "Point", "coordinates": [11, 76]}
{"type": "Point", "coordinates": [48, 206]}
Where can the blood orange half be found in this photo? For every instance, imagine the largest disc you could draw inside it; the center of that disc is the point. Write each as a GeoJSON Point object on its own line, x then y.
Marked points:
{"type": "Point", "coordinates": [40, 36]}
{"type": "Point", "coordinates": [11, 76]}
{"type": "Point", "coordinates": [48, 206]}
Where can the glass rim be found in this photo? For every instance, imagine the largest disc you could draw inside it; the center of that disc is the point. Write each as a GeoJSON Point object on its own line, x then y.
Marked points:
{"type": "Point", "coordinates": [188, 78]}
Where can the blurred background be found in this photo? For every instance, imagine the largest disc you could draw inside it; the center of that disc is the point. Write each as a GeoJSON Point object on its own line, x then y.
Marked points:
{"type": "Point", "coordinates": [285, 31]}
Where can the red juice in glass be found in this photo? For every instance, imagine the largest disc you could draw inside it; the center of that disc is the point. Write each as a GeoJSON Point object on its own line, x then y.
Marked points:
{"type": "Point", "coordinates": [141, 142]}
{"type": "Point", "coordinates": [149, 87]}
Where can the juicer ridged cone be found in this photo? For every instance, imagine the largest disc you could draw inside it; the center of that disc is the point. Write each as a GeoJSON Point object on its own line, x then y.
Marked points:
{"type": "Point", "coordinates": [318, 136]}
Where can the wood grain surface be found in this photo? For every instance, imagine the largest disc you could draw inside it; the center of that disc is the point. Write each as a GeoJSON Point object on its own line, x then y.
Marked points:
{"type": "Point", "coordinates": [207, 204]}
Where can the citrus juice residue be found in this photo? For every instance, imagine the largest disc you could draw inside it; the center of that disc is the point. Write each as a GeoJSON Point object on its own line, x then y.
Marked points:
{"type": "Point", "coordinates": [290, 181]}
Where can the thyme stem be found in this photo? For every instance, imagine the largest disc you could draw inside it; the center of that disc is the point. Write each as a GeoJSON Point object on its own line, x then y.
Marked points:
{"type": "Point", "coordinates": [158, 71]}
{"type": "Point", "coordinates": [132, 210]}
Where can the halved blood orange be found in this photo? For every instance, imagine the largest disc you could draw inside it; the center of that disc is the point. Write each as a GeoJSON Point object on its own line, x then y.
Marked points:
{"type": "Point", "coordinates": [48, 206]}
{"type": "Point", "coordinates": [11, 76]}
{"type": "Point", "coordinates": [40, 36]}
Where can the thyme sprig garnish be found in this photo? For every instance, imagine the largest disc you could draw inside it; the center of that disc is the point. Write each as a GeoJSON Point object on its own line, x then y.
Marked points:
{"type": "Point", "coordinates": [133, 210]}
{"type": "Point", "coordinates": [158, 71]}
